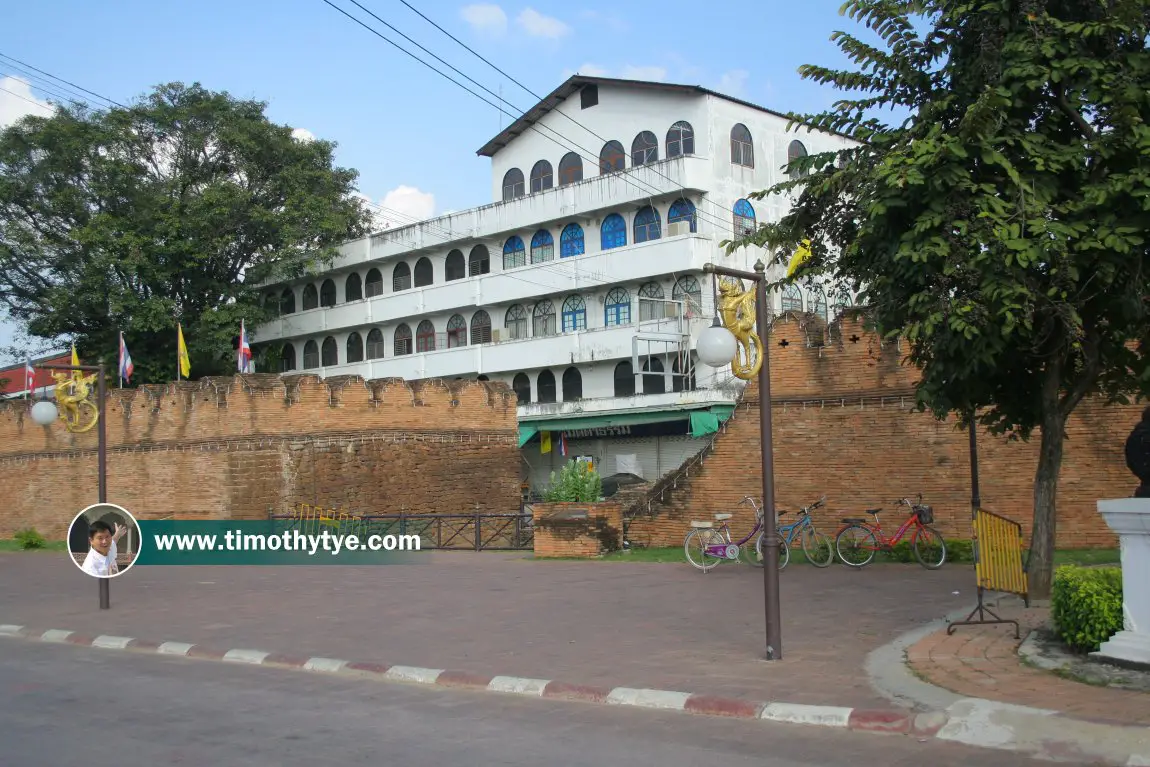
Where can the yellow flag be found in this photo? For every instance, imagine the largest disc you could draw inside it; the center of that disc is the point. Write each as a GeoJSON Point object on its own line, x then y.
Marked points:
{"type": "Point", "coordinates": [802, 253]}
{"type": "Point", "coordinates": [185, 363]}
{"type": "Point", "coordinates": [545, 442]}
{"type": "Point", "coordinates": [75, 356]}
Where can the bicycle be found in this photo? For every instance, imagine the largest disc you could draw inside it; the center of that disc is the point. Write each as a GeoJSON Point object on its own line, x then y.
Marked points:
{"type": "Point", "coordinates": [813, 542]}
{"type": "Point", "coordinates": [716, 544]}
{"type": "Point", "coordinates": [860, 536]}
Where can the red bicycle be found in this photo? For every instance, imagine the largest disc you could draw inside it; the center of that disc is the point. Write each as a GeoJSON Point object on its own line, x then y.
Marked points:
{"type": "Point", "coordinates": [858, 541]}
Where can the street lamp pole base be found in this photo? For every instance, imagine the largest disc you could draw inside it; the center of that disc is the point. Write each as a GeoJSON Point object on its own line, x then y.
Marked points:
{"type": "Point", "coordinates": [105, 595]}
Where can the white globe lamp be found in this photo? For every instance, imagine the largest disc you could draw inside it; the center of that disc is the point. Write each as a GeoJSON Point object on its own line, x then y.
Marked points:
{"type": "Point", "coordinates": [716, 345]}
{"type": "Point", "coordinates": [44, 413]}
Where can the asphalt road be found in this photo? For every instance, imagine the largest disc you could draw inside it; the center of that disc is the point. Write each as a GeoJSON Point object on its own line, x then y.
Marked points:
{"type": "Point", "coordinates": [66, 705]}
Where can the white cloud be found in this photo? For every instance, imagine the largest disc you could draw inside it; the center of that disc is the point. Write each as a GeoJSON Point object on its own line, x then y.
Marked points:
{"type": "Point", "coordinates": [608, 21]}
{"type": "Point", "coordinates": [16, 100]}
{"type": "Point", "coordinates": [643, 73]}
{"type": "Point", "coordinates": [734, 83]}
{"type": "Point", "coordinates": [401, 206]}
{"type": "Point", "coordinates": [536, 24]}
{"type": "Point", "coordinates": [302, 134]}
{"type": "Point", "coordinates": [594, 70]}
{"type": "Point", "coordinates": [485, 18]}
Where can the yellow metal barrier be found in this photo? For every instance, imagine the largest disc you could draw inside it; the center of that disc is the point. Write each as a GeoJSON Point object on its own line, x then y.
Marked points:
{"type": "Point", "coordinates": [997, 566]}
{"type": "Point", "coordinates": [312, 519]}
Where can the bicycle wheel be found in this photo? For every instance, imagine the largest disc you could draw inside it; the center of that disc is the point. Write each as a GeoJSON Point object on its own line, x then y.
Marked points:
{"type": "Point", "coordinates": [695, 547]}
{"type": "Point", "coordinates": [855, 545]}
{"type": "Point", "coordinates": [929, 548]}
{"type": "Point", "coordinates": [817, 547]}
{"type": "Point", "coordinates": [784, 552]}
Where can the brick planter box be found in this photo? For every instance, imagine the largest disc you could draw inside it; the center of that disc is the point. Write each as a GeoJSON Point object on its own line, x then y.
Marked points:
{"type": "Point", "coordinates": [577, 529]}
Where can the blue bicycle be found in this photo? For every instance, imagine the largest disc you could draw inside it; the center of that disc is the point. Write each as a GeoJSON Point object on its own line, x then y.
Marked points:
{"type": "Point", "coordinates": [817, 547]}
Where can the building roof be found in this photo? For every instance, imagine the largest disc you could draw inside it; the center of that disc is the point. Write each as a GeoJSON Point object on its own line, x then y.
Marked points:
{"type": "Point", "coordinates": [573, 85]}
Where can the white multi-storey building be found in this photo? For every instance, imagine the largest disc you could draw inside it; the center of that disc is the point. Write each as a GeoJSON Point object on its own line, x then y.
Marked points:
{"type": "Point", "coordinates": [581, 286]}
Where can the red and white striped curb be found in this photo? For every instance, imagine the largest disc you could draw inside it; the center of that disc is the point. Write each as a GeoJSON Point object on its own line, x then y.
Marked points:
{"type": "Point", "coordinates": [889, 721]}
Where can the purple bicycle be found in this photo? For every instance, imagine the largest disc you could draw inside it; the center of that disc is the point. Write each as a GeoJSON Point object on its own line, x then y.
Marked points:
{"type": "Point", "coordinates": [707, 547]}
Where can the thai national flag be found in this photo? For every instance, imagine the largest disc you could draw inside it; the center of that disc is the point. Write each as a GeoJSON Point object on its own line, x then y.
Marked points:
{"type": "Point", "coordinates": [29, 376]}
{"type": "Point", "coordinates": [126, 366]}
{"type": "Point", "coordinates": [244, 354]}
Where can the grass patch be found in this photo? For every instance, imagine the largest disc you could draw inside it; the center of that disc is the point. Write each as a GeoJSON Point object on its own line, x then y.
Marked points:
{"type": "Point", "coordinates": [11, 544]}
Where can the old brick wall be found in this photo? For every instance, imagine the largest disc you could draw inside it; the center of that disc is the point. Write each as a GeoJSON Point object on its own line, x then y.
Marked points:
{"type": "Point", "coordinates": [843, 426]}
{"type": "Point", "coordinates": [588, 537]}
{"type": "Point", "coordinates": [243, 446]}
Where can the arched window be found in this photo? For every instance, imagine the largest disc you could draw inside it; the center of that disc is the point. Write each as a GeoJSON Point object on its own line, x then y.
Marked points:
{"type": "Point", "coordinates": [310, 297]}
{"type": "Point", "coordinates": [543, 319]}
{"type": "Point", "coordinates": [310, 355]}
{"type": "Point", "coordinates": [272, 303]}
{"type": "Point", "coordinates": [521, 385]}
{"type": "Point", "coordinates": [327, 293]}
{"type": "Point", "coordinates": [403, 339]}
{"type": "Point", "coordinates": [541, 176]}
{"type": "Point", "coordinates": [624, 380]}
{"type": "Point", "coordinates": [744, 219]}
{"type": "Point", "coordinates": [329, 356]}
{"type": "Point", "coordinates": [572, 385]}
{"type": "Point", "coordinates": [574, 314]}
{"type": "Point", "coordinates": [456, 331]}
{"type": "Point", "coordinates": [516, 322]}
{"type": "Point", "coordinates": [373, 285]}
{"type": "Point", "coordinates": [742, 149]}
{"type": "Point", "coordinates": [654, 382]}
{"type": "Point", "coordinates": [513, 184]}
{"type": "Point", "coordinates": [617, 308]}
{"type": "Point", "coordinates": [354, 348]}
{"type": "Point", "coordinates": [683, 209]}
{"type": "Point", "coordinates": [687, 290]}
{"type": "Point", "coordinates": [570, 169]}
{"type": "Point", "coordinates": [795, 151]}
{"type": "Point", "coordinates": [844, 299]}
{"type": "Point", "coordinates": [542, 247]}
{"type": "Point", "coordinates": [514, 254]}
{"type": "Point", "coordinates": [375, 343]}
{"type": "Point", "coordinates": [424, 273]}
{"type": "Point", "coordinates": [613, 232]}
{"type": "Point", "coordinates": [647, 225]}
{"type": "Point", "coordinates": [425, 337]}
{"type": "Point", "coordinates": [612, 158]}
{"type": "Point", "coordinates": [546, 386]}
{"type": "Point", "coordinates": [401, 277]}
{"type": "Point", "coordinates": [287, 358]}
{"type": "Point", "coordinates": [819, 304]}
{"type": "Point", "coordinates": [644, 149]}
{"type": "Point", "coordinates": [479, 262]}
{"type": "Point", "coordinates": [454, 268]}
{"type": "Point", "coordinates": [680, 139]}
{"type": "Point", "coordinates": [651, 302]}
{"type": "Point", "coordinates": [571, 241]}
{"type": "Point", "coordinates": [353, 288]}
{"type": "Point", "coordinates": [287, 301]}
{"type": "Point", "coordinates": [481, 327]}
{"type": "Point", "coordinates": [792, 299]}
{"type": "Point", "coordinates": [680, 382]}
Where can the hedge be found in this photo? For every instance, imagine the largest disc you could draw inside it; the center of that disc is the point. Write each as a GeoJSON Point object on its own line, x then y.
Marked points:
{"type": "Point", "coordinates": [1086, 605]}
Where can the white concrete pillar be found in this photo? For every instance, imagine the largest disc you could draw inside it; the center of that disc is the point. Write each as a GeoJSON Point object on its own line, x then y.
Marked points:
{"type": "Point", "coordinates": [1130, 519]}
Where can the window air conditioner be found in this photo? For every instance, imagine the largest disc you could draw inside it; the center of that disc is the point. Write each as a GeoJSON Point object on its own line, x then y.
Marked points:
{"type": "Point", "coordinates": [677, 228]}
{"type": "Point", "coordinates": [496, 336]}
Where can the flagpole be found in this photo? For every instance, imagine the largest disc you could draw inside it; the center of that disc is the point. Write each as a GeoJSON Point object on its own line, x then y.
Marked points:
{"type": "Point", "coordinates": [178, 335]}
{"type": "Point", "coordinates": [121, 366]}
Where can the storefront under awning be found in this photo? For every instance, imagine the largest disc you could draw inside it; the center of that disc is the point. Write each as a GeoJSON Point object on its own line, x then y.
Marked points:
{"type": "Point", "coordinates": [697, 423]}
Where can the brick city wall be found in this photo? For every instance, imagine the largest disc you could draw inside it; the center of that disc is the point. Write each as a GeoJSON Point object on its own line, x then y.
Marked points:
{"type": "Point", "coordinates": [842, 427]}
{"type": "Point", "coordinates": [240, 447]}
{"type": "Point", "coordinates": [594, 535]}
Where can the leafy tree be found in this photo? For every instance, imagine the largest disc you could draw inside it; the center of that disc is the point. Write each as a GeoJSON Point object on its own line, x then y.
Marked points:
{"type": "Point", "coordinates": [170, 210]}
{"type": "Point", "coordinates": [1000, 229]}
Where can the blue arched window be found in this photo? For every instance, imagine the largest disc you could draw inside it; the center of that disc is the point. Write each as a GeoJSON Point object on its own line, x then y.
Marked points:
{"type": "Point", "coordinates": [647, 225]}
{"type": "Point", "coordinates": [571, 241]}
{"type": "Point", "coordinates": [574, 314]}
{"type": "Point", "coordinates": [617, 308]}
{"type": "Point", "coordinates": [683, 210]}
{"type": "Point", "coordinates": [613, 233]}
{"type": "Point", "coordinates": [745, 223]}
{"type": "Point", "coordinates": [514, 254]}
{"type": "Point", "coordinates": [542, 247]}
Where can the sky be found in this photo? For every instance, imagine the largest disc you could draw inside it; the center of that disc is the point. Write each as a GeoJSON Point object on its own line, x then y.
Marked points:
{"type": "Point", "coordinates": [410, 133]}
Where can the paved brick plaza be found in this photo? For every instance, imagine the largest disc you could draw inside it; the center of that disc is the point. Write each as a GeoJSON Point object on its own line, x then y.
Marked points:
{"type": "Point", "coordinates": [664, 626]}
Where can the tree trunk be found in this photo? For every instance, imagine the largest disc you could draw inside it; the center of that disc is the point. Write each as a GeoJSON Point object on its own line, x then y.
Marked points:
{"type": "Point", "coordinates": [1040, 566]}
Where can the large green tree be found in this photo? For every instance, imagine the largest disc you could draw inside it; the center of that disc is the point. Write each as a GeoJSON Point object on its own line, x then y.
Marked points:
{"type": "Point", "coordinates": [1001, 228]}
{"type": "Point", "coordinates": [131, 219]}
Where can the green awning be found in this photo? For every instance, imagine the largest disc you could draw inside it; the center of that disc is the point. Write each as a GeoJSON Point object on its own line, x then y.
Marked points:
{"type": "Point", "coordinates": [709, 418]}
{"type": "Point", "coordinates": [526, 432]}
{"type": "Point", "coordinates": [704, 422]}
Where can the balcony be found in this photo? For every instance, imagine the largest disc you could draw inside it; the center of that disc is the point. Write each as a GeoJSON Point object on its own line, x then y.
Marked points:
{"type": "Point", "coordinates": [589, 272]}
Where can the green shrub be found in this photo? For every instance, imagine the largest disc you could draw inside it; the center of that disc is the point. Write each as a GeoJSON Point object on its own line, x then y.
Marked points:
{"type": "Point", "coordinates": [30, 539]}
{"type": "Point", "coordinates": [576, 483]}
{"type": "Point", "coordinates": [1086, 605]}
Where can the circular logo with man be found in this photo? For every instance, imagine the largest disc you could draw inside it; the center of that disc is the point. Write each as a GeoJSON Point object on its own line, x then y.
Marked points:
{"type": "Point", "coordinates": [104, 540]}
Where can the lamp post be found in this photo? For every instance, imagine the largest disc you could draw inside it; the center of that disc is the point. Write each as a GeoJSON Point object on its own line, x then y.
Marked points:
{"type": "Point", "coordinates": [45, 413]}
{"type": "Point", "coordinates": [718, 346]}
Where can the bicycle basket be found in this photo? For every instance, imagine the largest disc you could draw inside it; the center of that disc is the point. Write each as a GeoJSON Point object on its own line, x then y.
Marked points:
{"type": "Point", "coordinates": [925, 515]}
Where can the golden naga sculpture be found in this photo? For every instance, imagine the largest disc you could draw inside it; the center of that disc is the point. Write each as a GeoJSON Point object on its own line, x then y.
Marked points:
{"type": "Point", "coordinates": [737, 312]}
{"type": "Point", "coordinates": [74, 398]}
